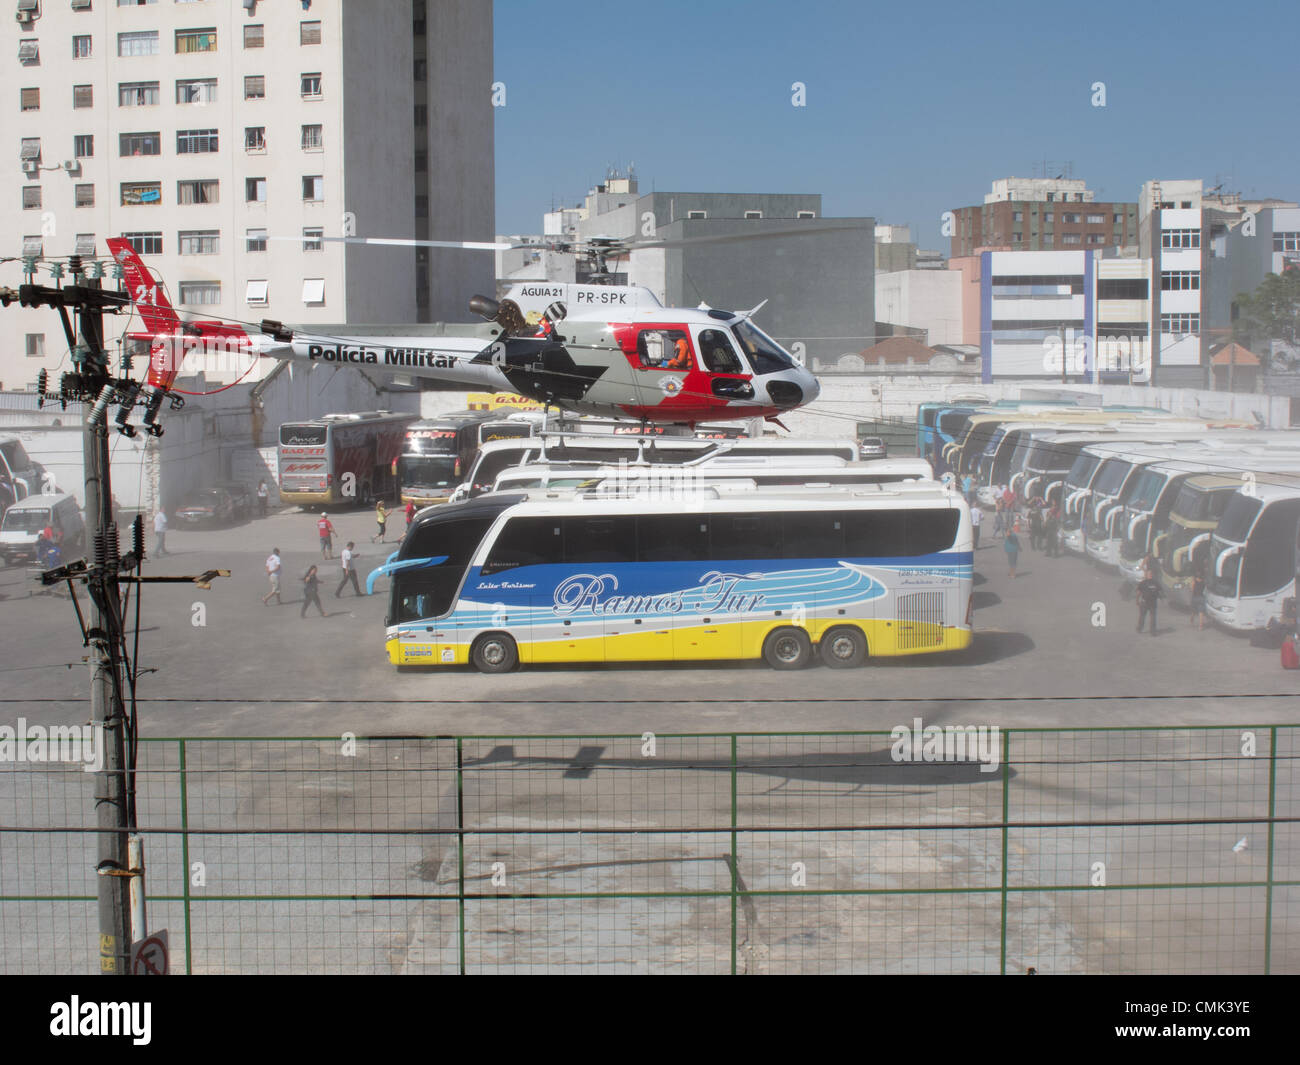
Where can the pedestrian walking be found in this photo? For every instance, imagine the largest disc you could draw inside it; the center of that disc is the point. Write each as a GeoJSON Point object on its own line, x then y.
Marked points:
{"type": "Point", "coordinates": [1052, 532]}
{"type": "Point", "coordinates": [999, 517]}
{"type": "Point", "coordinates": [263, 497]}
{"type": "Point", "coordinates": [1011, 545]}
{"type": "Point", "coordinates": [1198, 597]}
{"type": "Point", "coordinates": [326, 531]}
{"type": "Point", "coordinates": [976, 517]}
{"type": "Point", "coordinates": [381, 519]}
{"type": "Point", "coordinates": [160, 531]}
{"type": "Point", "coordinates": [349, 560]}
{"type": "Point", "coordinates": [410, 514]}
{"type": "Point", "coordinates": [1148, 595]}
{"type": "Point", "coordinates": [273, 575]}
{"type": "Point", "coordinates": [1036, 537]}
{"type": "Point", "coordinates": [311, 592]}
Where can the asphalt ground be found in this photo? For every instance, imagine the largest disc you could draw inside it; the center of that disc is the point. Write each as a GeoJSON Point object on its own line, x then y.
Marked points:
{"type": "Point", "coordinates": [1054, 647]}
{"type": "Point", "coordinates": [1127, 851]}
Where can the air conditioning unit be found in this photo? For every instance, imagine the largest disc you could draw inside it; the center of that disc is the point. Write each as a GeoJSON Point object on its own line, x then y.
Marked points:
{"type": "Point", "coordinates": [22, 16]}
{"type": "Point", "coordinates": [69, 165]}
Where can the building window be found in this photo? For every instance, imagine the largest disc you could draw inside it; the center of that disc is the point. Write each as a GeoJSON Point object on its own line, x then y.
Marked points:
{"type": "Point", "coordinates": [196, 40]}
{"type": "Point", "coordinates": [1096, 219]}
{"type": "Point", "coordinates": [83, 146]}
{"type": "Point", "coordinates": [255, 87]}
{"type": "Point", "coordinates": [29, 52]}
{"type": "Point", "coordinates": [1051, 196]}
{"type": "Point", "coordinates": [35, 345]}
{"type": "Point", "coordinates": [1049, 216]}
{"type": "Point", "coordinates": [33, 246]}
{"type": "Point", "coordinates": [29, 100]}
{"type": "Point", "coordinates": [1187, 324]}
{"type": "Point", "coordinates": [200, 292]}
{"type": "Point", "coordinates": [31, 197]}
{"type": "Point", "coordinates": [255, 190]}
{"type": "Point", "coordinates": [1122, 288]}
{"type": "Point", "coordinates": [421, 160]}
{"type": "Point", "coordinates": [84, 196]}
{"type": "Point", "coordinates": [1284, 241]}
{"type": "Point", "coordinates": [255, 240]}
{"type": "Point", "coordinates": [195, 141]}
{"type": "Point", "coordinates": [137, 94]}
{"type": "Point", "coordinates": [422, 207]}
{"type": "Point", "coordinates": [421, 115]}
{"type": "Point", "coordinates": [1070, 217]}
{"type": "Point", "coordinates": [1186, 205]}
{"type": "Point", "coordinates": [1179, 280]}
{"type": "Point", "coordinates": [142, 42]}
{"type": "Point", "coordinates": [255, 138]}
{"type": "Point", "coordinates": [196, 91]}
{"type": "Point", "coordinates": [1071, 238]}
{"type": "Point", "coordinates": [1117, 218]}
{"type": "Point", "coordinates": [313, 290]}
{"type": "Point", "coordinates": [1017, 216]}
{"type": "Point", "coordinates": [310, 86]}
{"type": "Point", "coordinates": [208, 191]}
{"type": "Point", "coordinates": [199, 241]}
{"type": "Point", "coordinates": [753, 214]}
{"type": "Point", "coordinates": [309, 33]}
{"type": "Point", "coordinates": [1180, 238]}
{"type": "Point", "coordinates": [30, 152]}
{"type": "Point", "coordinates": [313, 188]}
{"type": "Point", "coordinates": [85, 244]}
{"type": "Point", "coordinates": [81, 46]}
{"type": "Point", "coordinates": [1096, 238]}
{"type": "Point", "coordinates": [141, 193]}
{"type": "Point", "coordinates": [312, 138]}
{"type": "Point", "coordinates": [145, 243]}
{"type": "Point", "coordinates": [139, 144]}
{"type": "Point", "coordinates": [697, 214]}
{"type": "Point", "coordinates": [313, 238]}
{"type": "Point", "coordinates": [805, 214]}
{"type": "Point", "coordinates": [421, 69]}
{"type": "Point", "coordinates": [256, 292]}
{"type": "Point", "coordinates": [83, 96]}
{"type": "Point", "coordinates": [254, 36]}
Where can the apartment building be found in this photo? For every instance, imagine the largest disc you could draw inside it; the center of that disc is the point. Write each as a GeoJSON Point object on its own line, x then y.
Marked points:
{"type": "Point", "coordinates": [1043, 214]}
{"type": "Point", "coordinates": [229, 141]}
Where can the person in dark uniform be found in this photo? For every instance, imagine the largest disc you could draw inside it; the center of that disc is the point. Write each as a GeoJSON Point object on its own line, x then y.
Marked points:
{"type": "Point", "coordinates": [1148, 596]}
{"type": "Point", "coordinates": [311, 592]}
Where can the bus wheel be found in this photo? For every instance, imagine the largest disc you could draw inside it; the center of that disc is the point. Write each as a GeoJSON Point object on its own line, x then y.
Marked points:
{"type": "Point", "coordinates": [843, 648]}
{"type": "Point", "coordinates": [494, 653]}
{"type": "Point", "coordinates": [787, 649]}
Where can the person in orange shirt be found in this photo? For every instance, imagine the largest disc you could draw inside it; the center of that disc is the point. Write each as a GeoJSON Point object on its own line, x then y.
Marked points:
{"type": "Point", "coordinates": [681, 360]}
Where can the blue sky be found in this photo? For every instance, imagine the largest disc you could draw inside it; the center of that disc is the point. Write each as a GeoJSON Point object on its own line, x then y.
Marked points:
{"type": "Point", "coordinates": [912, 107]}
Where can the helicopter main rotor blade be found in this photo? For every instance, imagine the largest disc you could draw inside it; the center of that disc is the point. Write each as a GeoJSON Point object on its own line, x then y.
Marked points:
{"type": "Point", "coordinates": [399, 242]}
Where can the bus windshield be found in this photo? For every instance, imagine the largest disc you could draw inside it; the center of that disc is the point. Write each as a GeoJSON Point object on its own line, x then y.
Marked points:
{"type": "Point", "coordinates": [1237, 518]}
{"type": "Point", "coordinates": [1081, 471]}
{"type": "Point", "coordinates": [1110, 477]}
{"type": "Point", "coordinates": [1148, 489]}
{"type": "Point", "coordinates": [427, 471]}
{"type": "Point", "coordinates": [303, 435]}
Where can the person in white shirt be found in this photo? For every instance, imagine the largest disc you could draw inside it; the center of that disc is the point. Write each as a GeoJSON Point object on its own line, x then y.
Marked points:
{"type": "Point", "coordinates": [976, 516]}
{"type": "Point", "coordinates": [160, 530]}
{"type": "Point", "coordinates": [348, 558]}
{"type": "Point", "coordinates": [273, 574]}
{"type": "Point", "coordinates": [263, 497]}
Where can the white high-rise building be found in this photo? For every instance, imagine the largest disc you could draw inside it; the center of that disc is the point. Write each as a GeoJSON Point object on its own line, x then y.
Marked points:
{"type": "Point", "coordinates": [228, 140]}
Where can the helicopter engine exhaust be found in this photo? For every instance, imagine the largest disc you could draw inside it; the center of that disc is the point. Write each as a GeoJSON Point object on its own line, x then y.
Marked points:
{"type": "Point", "coordinates": [485, 307]}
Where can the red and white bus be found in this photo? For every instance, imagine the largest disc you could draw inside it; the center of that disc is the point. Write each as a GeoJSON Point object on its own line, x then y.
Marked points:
{"type": "Point", "coordinates": [341, 458]}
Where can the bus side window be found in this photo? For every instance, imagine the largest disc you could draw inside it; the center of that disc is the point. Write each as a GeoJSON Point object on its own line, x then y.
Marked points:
{"type": "Point", "coordinates": [672, 538]}
{"type": "Point", "coordinates": [744, 536]}
{"type": "Point", "coordinates": [600, 540]}
{"type": "Point", "coordinates": [817, 534]}
{"type": "Point", "coordinates": [527, 542]}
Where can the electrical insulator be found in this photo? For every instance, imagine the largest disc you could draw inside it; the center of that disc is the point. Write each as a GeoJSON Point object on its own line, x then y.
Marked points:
{"type": "Point", "coordinates": [96, 269]}
{"type": "Point", "coordinates": [117, 273]}
{"type": "Point", "coordinates": [56, 270]}
{"type": "Point", "coordinates": [29, 266]}
{"type": "Point", "coordinates": [137, 537]}
{"type": "Point", "coordinates": [74, 265]}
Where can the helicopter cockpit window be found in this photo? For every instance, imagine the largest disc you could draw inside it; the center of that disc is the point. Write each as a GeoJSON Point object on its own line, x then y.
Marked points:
{"type": "Point", "coordinates": [663, 349]}
{"type": "Point", "coordinates": [717, 354]}
{"type": "Point", "coordinates": [766, 355]}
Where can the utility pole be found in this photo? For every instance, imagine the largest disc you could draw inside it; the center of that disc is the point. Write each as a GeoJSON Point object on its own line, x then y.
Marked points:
{"type": "Point", "coordinates": [102, 626]}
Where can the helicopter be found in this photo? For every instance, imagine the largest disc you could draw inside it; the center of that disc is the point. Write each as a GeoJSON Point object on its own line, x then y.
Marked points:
{"type": "Point", "coordinates": [611, 350]}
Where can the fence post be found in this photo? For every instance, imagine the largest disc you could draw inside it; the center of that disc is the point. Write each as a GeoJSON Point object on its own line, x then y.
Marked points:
{"type": "Point", "coordinates": [185, 859]}
{"type": "Point", "coordinates": [734, 871]}
{"type": "Point", "coordinates": [460, 851]}
{"type": "Point", "coordinates": [1268, 882]}
{"type": "Point", "coordinates": [1006, 810]}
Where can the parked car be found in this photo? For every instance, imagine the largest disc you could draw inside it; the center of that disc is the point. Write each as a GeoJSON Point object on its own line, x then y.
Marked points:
{"type": "Point", "coordinates": [872, 447]}
{"type": "Point", "coordinates": [24, 520]}
{"type": "Point", "coordinates": [242, 497]}
{"type": "Point", "coordinates": [212, 506]}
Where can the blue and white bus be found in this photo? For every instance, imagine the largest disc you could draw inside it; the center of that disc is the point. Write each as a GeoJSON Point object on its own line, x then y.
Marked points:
{"type": "Point", "coordinates": [511, 578]}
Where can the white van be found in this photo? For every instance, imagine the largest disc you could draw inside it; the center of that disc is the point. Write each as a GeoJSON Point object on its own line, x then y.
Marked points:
{"type": "Point", "coordinates": [24, 520]}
